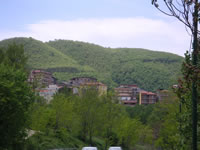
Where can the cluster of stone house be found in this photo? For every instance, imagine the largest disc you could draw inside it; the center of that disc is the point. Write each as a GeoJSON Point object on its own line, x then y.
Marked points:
{"type": "Point", "coordinates": [46, 86]}
{"type": "Point", "coordinates": [41, 78]}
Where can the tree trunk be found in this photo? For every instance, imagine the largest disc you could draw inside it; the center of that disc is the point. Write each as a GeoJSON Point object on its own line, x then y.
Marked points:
{"type": "Point", "coordinates": [194, 82]}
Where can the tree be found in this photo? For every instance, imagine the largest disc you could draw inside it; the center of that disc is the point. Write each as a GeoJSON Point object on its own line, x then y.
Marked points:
{"type": "Point", "coordinates": [185, 95]}
{"type": "Point", "coordinates": [1, 55]}
{"type": "Point", "coordinates": [165, 123]}
{"type": "Point", "coordinates": [187, 11]}
{"type": "Point", "coordinates": [15, 97]}
{"type": "Point", "coordinates": [56, 124]}
{"type": "Point", "coordinates": [88, 109]}
{"type": "Point", "coordinates": [131, 132]}
{"type": "Point", "coordinates": [109, 118]}
{"type": "Point", "coordinates": [64, 113]}
{"type": "Point", "coordinates": [14, 56]}
{"type": "Point", "coordinates": [142, 112]}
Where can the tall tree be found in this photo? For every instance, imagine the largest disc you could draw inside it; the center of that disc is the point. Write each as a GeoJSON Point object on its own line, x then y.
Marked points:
{"type": "Point", "coordinates": [187, 11]}
{"type": "Point", "coordinates": [15, 99]}
{"type": "Point", "coordinates": [88, 109]}
{"type": "Point", "coordinates": [110, 116]}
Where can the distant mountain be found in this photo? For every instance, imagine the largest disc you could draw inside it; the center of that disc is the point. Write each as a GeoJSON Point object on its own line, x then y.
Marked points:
{"type": "Point", "coordinates": [150, 70]}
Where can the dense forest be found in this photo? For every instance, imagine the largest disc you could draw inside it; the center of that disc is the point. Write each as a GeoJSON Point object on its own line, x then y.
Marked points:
{"type": "Point", "coordinates": [150, 70]}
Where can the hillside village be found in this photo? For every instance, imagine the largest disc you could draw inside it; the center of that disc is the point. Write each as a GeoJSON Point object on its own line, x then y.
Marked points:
{"type": "Point", "coordinates": [101, 75]}
{"type": "Point", "coordinates": [150, 70]}
{"type": "Point", "coordinates": [46, 85]}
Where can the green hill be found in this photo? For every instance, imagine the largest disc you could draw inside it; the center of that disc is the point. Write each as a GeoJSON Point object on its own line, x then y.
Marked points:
{"type": "Point", "coordinates": [150, 70]}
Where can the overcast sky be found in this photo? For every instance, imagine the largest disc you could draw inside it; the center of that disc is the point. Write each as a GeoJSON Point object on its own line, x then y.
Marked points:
{"type": "Point", "coordinates": [109, 23]}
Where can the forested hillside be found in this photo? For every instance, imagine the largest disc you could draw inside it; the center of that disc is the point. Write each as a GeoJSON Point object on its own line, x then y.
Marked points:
{"type": "Point", "coordinates": [150, 70]}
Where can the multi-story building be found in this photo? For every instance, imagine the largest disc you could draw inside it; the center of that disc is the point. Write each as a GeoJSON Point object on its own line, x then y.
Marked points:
{"type": "Point", "coordinates": [147, 98]}
{"type": "Point", "coordinates": [40, 78]}
{"type": "Point", "coordinates": [79, 84]}
{"type": "Point", "coordinates": [128, 94]}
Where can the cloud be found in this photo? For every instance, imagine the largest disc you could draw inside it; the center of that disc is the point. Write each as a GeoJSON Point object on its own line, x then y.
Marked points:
{"type": "Point", "coordinates": [113, 32]}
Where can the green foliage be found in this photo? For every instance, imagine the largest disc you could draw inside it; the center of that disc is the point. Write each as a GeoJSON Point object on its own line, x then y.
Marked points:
{"type": "Point", "coordinates": [165, 123]}
{"type": "Point", "coordinates": [150, 70]}
{"type": "Point", "coordinates": [132, 131]}
{"type": "Point", "coordinates": [88, 108]}
{"type": "Point", "coordinates": [191, 75]}
{"type": "Point", "coordinates": [1, 55]}
{"type": "Point", "coordinates": [88, 119]}
{"type": "Point", "coordinates": [162, 124]}
{"type": "Point", "coordinates": [65, 115]}
{"type": "Point", "coordinates": [142, 112]}
{"type": "Point", "coordinates": [72, 121]}
{"type": "Point", "coordinates": [14, 56]}
{"type": "Point", "coordinates": [56, 125]}
{"type": "Point", "coordinates": [66, 59]}
{"type": "Point", "coordinates": [16, 97]}
{"type": "Point", "coordinates": [111, 112]}
{"type": "Point", "coordinates": [40, 54]}
{"type": "Point", "coordinates": [128, 132]}
{"type": "Point", "coordinates": [42, 118]}
{"type": "Point", "coordinates": [52, 140]}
